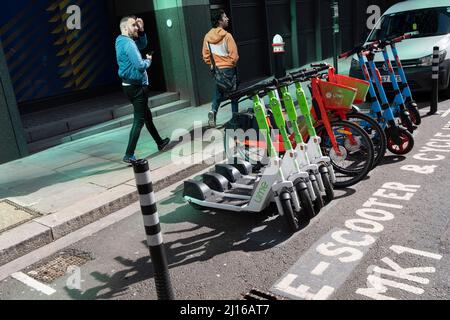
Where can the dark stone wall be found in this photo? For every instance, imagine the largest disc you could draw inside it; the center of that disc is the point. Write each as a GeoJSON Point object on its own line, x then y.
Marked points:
{"type": "Point", "coordinates": [12, 143]}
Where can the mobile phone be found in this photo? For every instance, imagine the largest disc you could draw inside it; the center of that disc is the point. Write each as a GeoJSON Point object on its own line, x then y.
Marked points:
{"type": "Point", "coordinates": [151, 53]}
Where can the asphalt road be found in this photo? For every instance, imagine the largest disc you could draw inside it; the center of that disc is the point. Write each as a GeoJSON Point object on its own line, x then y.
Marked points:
{"type": "Point", "coordinates": [388, 237]}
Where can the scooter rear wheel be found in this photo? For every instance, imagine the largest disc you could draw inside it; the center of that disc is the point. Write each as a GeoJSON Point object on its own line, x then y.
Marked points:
{"type": "Point", "coordinates": [406, 145]}
{"type": "Point", "coordinates": [288, 213]}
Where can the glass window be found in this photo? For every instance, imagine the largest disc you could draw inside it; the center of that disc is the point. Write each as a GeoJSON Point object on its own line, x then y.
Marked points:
{"type": "Point", "coordinates": [420, 23]}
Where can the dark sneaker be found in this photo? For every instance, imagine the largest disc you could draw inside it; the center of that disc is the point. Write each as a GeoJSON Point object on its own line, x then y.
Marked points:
{"type": "Point", "coordinates": [164, 144]}
{"type": "Point", "coordinates": [129, 160]}
{"type": "Point", "coordinates": [212, 119]}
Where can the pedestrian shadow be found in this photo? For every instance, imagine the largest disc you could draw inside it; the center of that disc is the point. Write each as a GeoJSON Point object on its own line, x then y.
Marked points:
{"type": "Point", "coordinates": [116, 285]}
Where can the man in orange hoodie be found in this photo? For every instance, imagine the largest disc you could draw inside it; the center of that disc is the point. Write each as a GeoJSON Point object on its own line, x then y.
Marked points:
{"type": "Point", "coordinates": [225, 54]}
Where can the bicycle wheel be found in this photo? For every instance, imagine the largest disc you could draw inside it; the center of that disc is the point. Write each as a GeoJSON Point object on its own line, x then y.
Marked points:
{"type": "Point", "coordinates": [375, 132]}
{"type": "Point", "coordinates": [355, 154]}
{"type": "Point", "coordinates": [288, 212]}
{"type": "Point", "coordinates": [406, 145]}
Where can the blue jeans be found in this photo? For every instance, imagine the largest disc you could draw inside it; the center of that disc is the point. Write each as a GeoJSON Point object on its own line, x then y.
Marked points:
{"type": "Point", "coordinates": [218, 96]}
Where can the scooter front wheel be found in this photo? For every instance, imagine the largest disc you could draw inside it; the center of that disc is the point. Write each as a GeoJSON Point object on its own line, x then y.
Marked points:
{"type": "Point", "coordinates": [306, 204]}
{"type": "Point", "coordinates": [329, 191]}
{"type": "Point", "coordinates": [318, 203]}
{"type": "Point", "coordinates": [414, 114]}
{"type": "Point", "coordinates": [288, 212]}
{"type": "Point", "coordinates": [406, 144]}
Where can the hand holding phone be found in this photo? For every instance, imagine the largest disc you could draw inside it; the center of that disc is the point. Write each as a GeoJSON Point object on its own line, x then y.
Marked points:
{"type": "Point", "coordinates": [150, 55]}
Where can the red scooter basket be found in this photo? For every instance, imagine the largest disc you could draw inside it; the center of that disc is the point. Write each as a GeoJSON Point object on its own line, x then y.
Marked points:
{"type": "Point", "coordinates": [361, 86]}
{"type": "Point", "coordinates": [336, 96]}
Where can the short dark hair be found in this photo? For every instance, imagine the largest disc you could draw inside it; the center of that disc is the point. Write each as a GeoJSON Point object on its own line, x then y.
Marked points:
{"type": "Point", "coordinates": [216, 16]}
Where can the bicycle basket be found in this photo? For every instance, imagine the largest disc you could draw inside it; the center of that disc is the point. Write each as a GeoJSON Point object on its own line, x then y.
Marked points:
{"type": "Point", "coordinates": [361, 86]}
{"type": "Point", "coordinates": [336, 96]}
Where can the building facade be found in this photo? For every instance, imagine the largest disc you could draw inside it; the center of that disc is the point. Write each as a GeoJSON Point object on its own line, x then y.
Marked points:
{"type": "Point", "coordinates": [70, 55]}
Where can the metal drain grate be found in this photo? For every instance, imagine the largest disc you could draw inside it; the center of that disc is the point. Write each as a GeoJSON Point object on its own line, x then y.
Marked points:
{"type": "Point", "coordinates": [58, 265]}
{"type": "Point", "coordinates": [256, 294]}
{"type": "Point", "coordinates": [13, 214]}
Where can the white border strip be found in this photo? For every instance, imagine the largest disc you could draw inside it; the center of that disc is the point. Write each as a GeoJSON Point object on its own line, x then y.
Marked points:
{"type": "Point", "coordinates": [22, 277]}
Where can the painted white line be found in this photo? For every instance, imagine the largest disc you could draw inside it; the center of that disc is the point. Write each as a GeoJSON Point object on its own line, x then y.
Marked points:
{"type": "Point", "coordinates": [320, 269]}
{"type": "Point", "coordinates": [446, 113]}
{"type": "Point", "coordinates": [22, 277]}
{"type": "Point", "coordinates": [400, 250]}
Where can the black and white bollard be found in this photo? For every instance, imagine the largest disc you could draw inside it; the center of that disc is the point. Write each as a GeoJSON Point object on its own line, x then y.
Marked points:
{"type": "Point", "coordinates": [153, 230]}
{"type": "Point", "coordinates": [435, 79]}
{"type": "Point", "coordinates": [279, 53]}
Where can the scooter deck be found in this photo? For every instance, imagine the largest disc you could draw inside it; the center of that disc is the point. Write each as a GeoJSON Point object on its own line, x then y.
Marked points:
{"type": "Point", "coordinates": [224, 200]}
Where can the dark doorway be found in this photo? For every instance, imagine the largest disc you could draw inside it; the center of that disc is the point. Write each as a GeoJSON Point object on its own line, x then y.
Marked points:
{"type": "Point", "coordinates": [132, 7]}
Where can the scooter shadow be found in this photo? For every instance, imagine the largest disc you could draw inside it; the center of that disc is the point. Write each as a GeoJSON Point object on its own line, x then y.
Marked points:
{"type": "Point", "coordinates": [202, 235]}
{"type": "Point", "coordinates": [391, 159]}
{"type": "Point", "coordinates": [347, 193]}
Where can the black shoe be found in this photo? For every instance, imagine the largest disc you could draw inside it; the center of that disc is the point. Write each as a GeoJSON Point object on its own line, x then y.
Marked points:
{"type": "Point", "coordinates": [164, 144]}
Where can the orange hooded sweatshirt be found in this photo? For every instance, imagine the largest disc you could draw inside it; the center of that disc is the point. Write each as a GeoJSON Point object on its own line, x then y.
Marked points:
{"type": "Point", "coordinates": [223, 47]}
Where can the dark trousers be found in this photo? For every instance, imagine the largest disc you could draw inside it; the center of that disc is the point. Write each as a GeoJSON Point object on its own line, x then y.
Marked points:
{"type": "Point", "coordinates": [138, 96]}
{"type": "Point", "coordinates": [218, 96]}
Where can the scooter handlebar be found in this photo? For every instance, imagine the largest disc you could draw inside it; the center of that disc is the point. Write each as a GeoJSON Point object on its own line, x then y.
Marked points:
{"type": "Point", "coordinates": [401, 38]}
{"type": "Point", "coordinates": [349, 53]}
{"type": "Point", "coordinates": [307, 74]}
{"type": "Point", "coordinates": [360, 48]}
{"type": "Point", "coordinates": [386, 42]}
{"type": "Point", "coordinates": [320, 65]}
{"type": "Point", "coordinates": [249, 91]}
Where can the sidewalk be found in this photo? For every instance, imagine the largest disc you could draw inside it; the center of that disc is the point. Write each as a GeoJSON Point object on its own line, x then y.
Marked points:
{"type": "Point", "coordinates": [51, 193]}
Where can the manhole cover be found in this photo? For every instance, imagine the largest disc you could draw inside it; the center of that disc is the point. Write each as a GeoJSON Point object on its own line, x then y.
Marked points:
{"type": "Point", "coordinates": [58, 265]}
{"type": "Point", "coordinates": [12, 214]}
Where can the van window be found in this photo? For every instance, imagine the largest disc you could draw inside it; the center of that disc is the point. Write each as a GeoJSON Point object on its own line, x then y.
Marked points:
{"type": "Point", "coordinates": [420, 23]}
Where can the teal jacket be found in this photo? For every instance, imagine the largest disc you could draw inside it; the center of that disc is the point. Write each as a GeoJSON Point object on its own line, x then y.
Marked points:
{"type": "Point", "coordinates": [132, 68]}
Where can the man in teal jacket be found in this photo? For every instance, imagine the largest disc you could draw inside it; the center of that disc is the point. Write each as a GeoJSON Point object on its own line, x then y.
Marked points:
{"type": "Point", "coordinates": [133, 72]}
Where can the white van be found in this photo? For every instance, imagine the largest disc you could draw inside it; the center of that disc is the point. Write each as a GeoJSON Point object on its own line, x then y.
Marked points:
{"type": "Point", "coordinates": [429, 23]}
